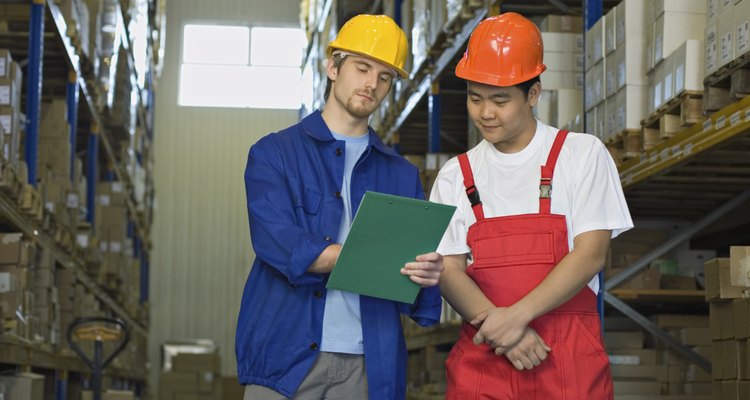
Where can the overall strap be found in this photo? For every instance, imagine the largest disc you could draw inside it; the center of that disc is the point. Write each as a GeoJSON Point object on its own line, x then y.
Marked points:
{"type": "Point", "coordinates": [545, 186]}
{"type": "Point", "coordinates": [471, 190]}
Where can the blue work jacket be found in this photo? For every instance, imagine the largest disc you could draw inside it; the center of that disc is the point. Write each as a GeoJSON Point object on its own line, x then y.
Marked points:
{"type": "Point", "coordinates": [293, 181]}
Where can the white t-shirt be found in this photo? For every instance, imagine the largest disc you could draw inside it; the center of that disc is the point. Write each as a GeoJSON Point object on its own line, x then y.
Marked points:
{"type": "Point", "coordinates": [585, 187]}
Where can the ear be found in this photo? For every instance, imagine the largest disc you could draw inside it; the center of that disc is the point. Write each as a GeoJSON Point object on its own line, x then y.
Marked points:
{"type": "Point", "coordinates": [534, 92]}
{"type": "Point", "coordinates": [331, 69]}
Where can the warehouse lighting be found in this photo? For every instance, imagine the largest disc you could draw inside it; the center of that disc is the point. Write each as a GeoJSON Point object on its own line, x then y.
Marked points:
{"type": "Point", "coordinates": [246, 71]}
{"type": "Point", "coordinates": [266, 44]}
{"type": "Point", "coordinates": [200, 44]}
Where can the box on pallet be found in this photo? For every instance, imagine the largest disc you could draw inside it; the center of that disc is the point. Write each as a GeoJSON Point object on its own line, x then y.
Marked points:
{"type": "Point", "coordinates": [726, 37]}
{"type": "Point", "coordinates": [630, 109]}
{"type": "Point", "coordinates": [673, 28]}
{"type": "Point", "coordinates": [594, 43]}
{"type": "Point", "coordinates": [742, 28]}
{"type": "Point", "coordinates": [688, 67]}
{"type": "Point", "coordinates": [739, 265]}
{"type": "Point", "coordinates": [718, 281]}
{"type": "Point", "coordinates": [562, 24]}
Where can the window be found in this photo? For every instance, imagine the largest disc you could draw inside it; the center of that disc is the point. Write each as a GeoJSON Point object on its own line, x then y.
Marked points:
{"type": "Point", "coordinates": [235, 66]}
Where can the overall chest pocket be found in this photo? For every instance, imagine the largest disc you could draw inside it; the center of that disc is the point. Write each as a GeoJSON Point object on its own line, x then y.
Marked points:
{"type": "Point", "coordinates": [522, 248]}
{"type": "Point", "coordinates": [306, 198]}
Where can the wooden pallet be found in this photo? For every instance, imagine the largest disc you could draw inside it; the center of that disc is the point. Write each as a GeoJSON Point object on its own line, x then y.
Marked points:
{"type": "Point", "coordinates": [625, 145]}
{"type": "Point", "coordinates": [730, 83]}
{"type": "Point", "coordinates": [680, 112]}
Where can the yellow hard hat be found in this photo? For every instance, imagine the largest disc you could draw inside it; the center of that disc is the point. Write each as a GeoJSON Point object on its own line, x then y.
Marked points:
{"type": "Point", "coordinates": [374, 36]}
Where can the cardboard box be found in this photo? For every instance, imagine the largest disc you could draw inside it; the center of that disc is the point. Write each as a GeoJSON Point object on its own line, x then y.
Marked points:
{"type": "Point", "coordinates": [562, 61]}
{"type": "Point", "coordinates": [682, 6]}
{"type": "Point", "coordinates": [712, 11]}
{"type": "Point", "coordinates": [553, 80]}
{"type": "Point", "coordinates": [189, 362]}
{"type": "Point", "coordinates": [610, 75]}
{"type": "Point", "coordinates": [742, 28]}
{"type": "Point", "coordinates": [623, 340]}
{"type": "Point", "coordinates": [656, 373]}
{"type": "Point", "coordinates": [673, 28]}
{"type": "Point", "coordinates": [695, 336]}
{"type": "Point", "coordinates": [676, 282]}
{"type": "Point", "coordinates": [696, 374]}
{"type": "Point", "coordinates": [562, 24]}
{"type": "Point", "coordinates": [630, 110]}
{"type": "Point", "coordinates": [563, 42]}
{"type": "Point", "coordinates": [739, 265]}
{"type": "Point", "coordinates": [630, 21]}
{"type": "Point", "coordinates": [595, 43]}
{"type": "Point", "coordinates": [688, 67]}
{"type": "Point", "coordinates": [637, 387]}
{"type": "Point", "coordinates": [610, 36]}
{"type": "Point", "coordinates": [729, 359]}
{"type": "Point", "coordinates": [668, 321]}
{"type": "Point", "coordinates": [743, 363]}
{"type": "Point", "coordinates": [741, 310]}
{"type": "Point", "coordinates": [727, 37]}
{"type": "Point", "coordinates": [610, 125]}
{"type": "Point", "coordinates": [717, 371]}
{"type": "Point", "coordinates": [644, 356]}
{"type": "Point", "coordinates": [5, 63]}
{"type": "Point", "coordinates": [718, 280]}
{"type": "Point", "coordinates": [11, 249]}
{"type": "Point", "coordinates": [23, 386]}
{"type": "Point", "coordinates": [644, 279]}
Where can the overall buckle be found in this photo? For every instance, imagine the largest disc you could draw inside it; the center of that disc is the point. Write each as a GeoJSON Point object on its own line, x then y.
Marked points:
{"type": "Point", "coordinates": [545, 188]}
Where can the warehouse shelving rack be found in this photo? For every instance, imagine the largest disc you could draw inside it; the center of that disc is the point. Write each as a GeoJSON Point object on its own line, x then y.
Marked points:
{"type": "Point", "coordinates": [81, 106]}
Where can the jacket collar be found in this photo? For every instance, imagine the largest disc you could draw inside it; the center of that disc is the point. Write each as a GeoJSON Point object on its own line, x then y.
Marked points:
{"type": "Point", "coordinates": [315, 126]}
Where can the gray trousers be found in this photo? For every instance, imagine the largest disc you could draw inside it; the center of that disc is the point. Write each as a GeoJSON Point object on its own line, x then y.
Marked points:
{"type": "Point", "coordinates": [334, 376]}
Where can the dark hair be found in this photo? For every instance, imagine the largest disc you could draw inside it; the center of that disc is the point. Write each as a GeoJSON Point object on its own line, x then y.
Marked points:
{"type": "Point", "coordinates": [526, 86]}
{"type": "Point", "coordinates": [337, 60]}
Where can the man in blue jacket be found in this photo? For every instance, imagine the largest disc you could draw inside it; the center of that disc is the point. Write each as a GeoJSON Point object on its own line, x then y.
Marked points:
{"type": "Point", "coordinates": [296, 339]}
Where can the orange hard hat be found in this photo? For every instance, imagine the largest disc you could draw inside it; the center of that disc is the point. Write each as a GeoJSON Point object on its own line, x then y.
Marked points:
{"type": "Point", "coordinates": [503, 50]}
{"type": "Point", "coordinates": [374, 36]}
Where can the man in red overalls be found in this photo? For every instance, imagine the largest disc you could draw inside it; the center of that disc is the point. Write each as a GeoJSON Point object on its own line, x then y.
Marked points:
{"type": "Point", "coordinates": [536, 209]}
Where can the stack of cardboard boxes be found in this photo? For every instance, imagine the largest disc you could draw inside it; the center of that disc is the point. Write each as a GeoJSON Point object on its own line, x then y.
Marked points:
{"type": "Point", "coordinates": [562, 83]}
{"type": "Point", "coordinates": [645, 369]}
{"type": "Point", "coordinates": [193, 376]}
{"type": "Point", "coordinates": [11, 79]}
{"type": "Point", "coordinates": [16, 256]}
{"type": "Point", "coordinates": [727, 284]}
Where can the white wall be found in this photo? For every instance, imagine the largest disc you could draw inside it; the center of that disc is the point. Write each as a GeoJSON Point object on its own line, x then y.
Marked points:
{"type": "Point", "coordinates": [201, 248]}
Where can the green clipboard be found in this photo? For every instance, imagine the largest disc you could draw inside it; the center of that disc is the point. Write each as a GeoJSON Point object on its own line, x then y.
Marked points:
{"type": "Point", "coordinates": [388, 231]}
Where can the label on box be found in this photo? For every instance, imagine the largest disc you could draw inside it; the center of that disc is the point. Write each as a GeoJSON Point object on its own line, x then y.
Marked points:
{"type": "Point", "coordinates": [579, 42]}
{"type": "Point", "coordinates": [667, 87]}
{"type": "Point", "coordinates": [50, 206]}
{"type": "Point", "coordinates": [579, 81]}
{"type": "Point", "coordinates": [657, 48]}
{"type": "Point", "coordinates": [115, 247]}
{"type": "Point", "coordinates": [679, 76]}
{"type": "Point", "coordinates": [621, 74]}
{"type": "Point", "coordinates": [103, 200]}
{"type": "Point", "coordinates": [620, 119]}
{"type": "Point", "coordinates": [6, 123]}
{"type": "Point", "coordinates": [103, 246]}
{"type": "Point", "coordinates": [597, 48]}
{"type": "Point", "coordinates": [6, 283]}
{"type": "Point", "coordinates": [5, 94]}
{"type": "Point", "coordinates": [83, 241]}
{"type": "Point", "coordinates": [743, 37]}
{"type": "Point", "coordinates": [726, 47]}
{"type": "Point", "coordinates": [611, 88]}
{"type": "Point", "coordinates": [657, 95]}
{"type": "Point", "coordinates": [711, 55]}
{"type": "Point", "coordinates": [620, 31]}
{"type": "Point", "coordinates": [117, 187]}
{"type": "Point", "coordinates": [72, 200]}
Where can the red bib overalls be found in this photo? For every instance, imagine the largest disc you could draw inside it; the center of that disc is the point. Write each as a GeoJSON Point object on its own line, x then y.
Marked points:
{"type": "Point", "coordinates": [511, 256]}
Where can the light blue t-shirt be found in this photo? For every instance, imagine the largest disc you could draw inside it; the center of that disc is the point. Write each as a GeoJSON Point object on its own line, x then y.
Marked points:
{"type": "Point", "coordinates": [342, 323]}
